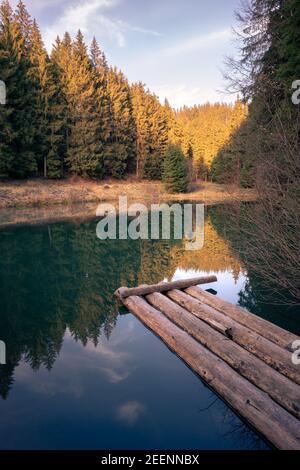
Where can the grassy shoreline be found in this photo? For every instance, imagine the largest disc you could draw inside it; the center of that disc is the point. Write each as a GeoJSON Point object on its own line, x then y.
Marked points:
{"type": "Point", "coordinates": [37, 192]}
{"type": "Point", "coordinates": [37, 200]}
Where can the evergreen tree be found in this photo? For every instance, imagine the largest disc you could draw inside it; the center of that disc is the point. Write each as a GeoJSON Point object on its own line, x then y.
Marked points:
{"type": "Point", "coordinates": [61, 57]}
{"type": "Point", "coordinates": [100, 66]}
{"type": "Point", "coordinates": [49, 145]}
{"type": "Point", "coordinates": [18, 116]}
{"type": "Point", "coordinates": [151, 133]}
{"type": "Point", "coordinates": [26, 113]}
{"type": "Point", "coordinates": [289, 46]}
{"type": "Point", "coordinates": [123, 149]}
{"type": "Point", "coordinates": [84, 156]}
{"type": "Point", "coordinates": [141, 117]}
{"type": "Point", "coordinates": [174, 128]}
{"type": "Point", "coordinates": [25, 24]}
{"type": "Point", "coordinates": [158, 140]}
{"type": "Point", "coordinates": [8, 68]}
{"type": "Point", "coordinates": [175, 175]}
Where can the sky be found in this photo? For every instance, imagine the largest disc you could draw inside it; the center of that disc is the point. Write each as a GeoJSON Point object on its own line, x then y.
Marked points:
{"type": "Point", "coordinates": [175, 47]}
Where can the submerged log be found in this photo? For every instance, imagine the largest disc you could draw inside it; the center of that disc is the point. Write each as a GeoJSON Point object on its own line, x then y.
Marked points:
{"type": "Point", "coordinates": [266, 329]}
{"type": "Point", "coordinates": [124, 292]}
{"type": "Point", "coordinates": [280, 388]}
{"type": "Point", "coordinates": [257, 407]}
{"type": "Point", "coordinates": [269, 352]}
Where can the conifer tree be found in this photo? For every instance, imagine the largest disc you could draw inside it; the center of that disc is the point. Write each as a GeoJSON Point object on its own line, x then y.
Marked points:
{"type": "Point", "coordinates": [174, 170]}
{"type": "Point", "coordinates": [50, 109]}
{"type": "Point", "coordinates": [8, 68]}
{"type": "Point", "coordinates": [100, 78]}
{"type": "Point", "coordinates": [152, 132]}
{"type": "Point", "coordinates": [158, 140]}
{"type": "Point", "coordinates": [18, 115]}
{"type": "Point", "coordinates": [73, 105]}
{"type": "Point", "coordinates": [26, 112]}
{"type": "Point", "coordinates": [61, 57]}
{"type": "Point", "coordinates": [84, 155]}
{"type": "Point", "coordinates": [289, 46]}
{"type": "Point", "coordinates": [25, 24]}
{"type": "Point", "coordinates": [141, 116]}
{"type": "Point", "coordinates": [174, 129]}
{"type": "Point", "coordinates": [123, 154]}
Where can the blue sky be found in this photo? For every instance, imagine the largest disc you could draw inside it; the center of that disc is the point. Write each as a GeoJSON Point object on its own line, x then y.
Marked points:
{"type": "Point", "coordinates": [176, 47]}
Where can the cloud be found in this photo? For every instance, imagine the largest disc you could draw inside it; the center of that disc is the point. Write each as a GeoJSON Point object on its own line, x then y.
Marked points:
{"type": "Point", "coordinates": [137, 29]}
{"type": "Point", "coordinates": [115, 376]}
{"type": "Point", "coordinates": [130, 412]}
{"type": "Point", "coordinates": [86, 16]}
{"type": "Point", "coordinates": [89, 17]}
{"type": "Point", "coordinates": [41, 4]}
{"type": "Point", "coordinates": [196, 43]}
{"type": "Point", "coordinates": [180, 95]}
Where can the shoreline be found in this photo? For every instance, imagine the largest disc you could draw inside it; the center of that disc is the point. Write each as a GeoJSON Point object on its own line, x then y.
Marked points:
{"type": "Point", "coordinates": [39, 201]}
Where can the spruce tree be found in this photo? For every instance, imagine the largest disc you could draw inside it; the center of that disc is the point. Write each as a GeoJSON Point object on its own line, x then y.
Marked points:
{"type": "Point", "coordinates": [158, 140]}
{"type": "Point", "coordinates": [8, 68]}
{"type": "Point", "coordinates": [18, 115]}
{"type": "Point", "coordinates": [25, 112]}
{"type": "Point", "coordinates": [84, 155]}
{"type": "Point", "coordinates": [49, 145]}
{"type": "Point", "coordinates": [152, 132]}
{"type": "Point", "coordinates": [123, 154]}
{"type": "Point", "coordinates": [141, 117]}
{"type": "Point", "coordinates": [175, 175]}
{"type": "Point", "coordinates": [100, 72]}
{"type": "Point", "coordinates": [61, 57]}
{"type": "Point", "coordinates": [289, 44]}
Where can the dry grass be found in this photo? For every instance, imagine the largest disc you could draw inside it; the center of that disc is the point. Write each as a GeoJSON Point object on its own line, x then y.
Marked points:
{"type": "Point", "coordinates": [37, 192]}
{"type": "Point", "coordinates": [38, 200]}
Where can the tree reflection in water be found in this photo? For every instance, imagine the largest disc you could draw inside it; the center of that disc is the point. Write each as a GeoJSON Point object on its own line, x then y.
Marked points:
{"type": "Point", "coordinates": [61, 276]}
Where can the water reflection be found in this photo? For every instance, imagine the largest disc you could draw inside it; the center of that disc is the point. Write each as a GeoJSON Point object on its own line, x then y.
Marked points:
{"type": "Point", "coordinates": [61, 277]}
{"type": "Point", "coordinates": [271, 287]}
{"type": "Point", "coordinates": [58, 314]}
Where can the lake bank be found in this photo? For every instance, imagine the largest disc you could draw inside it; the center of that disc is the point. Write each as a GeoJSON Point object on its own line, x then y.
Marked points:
{"type": "Point", "coordinates": [39, 200]}
{"type": "Point", "coordinates": [49, 195]}
{"type": "Point", "coordinates": [64, 331]}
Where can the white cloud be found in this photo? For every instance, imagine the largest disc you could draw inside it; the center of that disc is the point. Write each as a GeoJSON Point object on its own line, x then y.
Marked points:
{"type": "Point", "coordinates": [151, 32]}
{"type": "Point", "coordinates": [180, 95]}
{"type": "Point", "coordinates": [196, 43]}
{"type": "Point", "coordinates": [42, 4]}
{"type": "Point", "coordinates": [130, 412]}
{"type": "Point", "coordinates": [89, 17]}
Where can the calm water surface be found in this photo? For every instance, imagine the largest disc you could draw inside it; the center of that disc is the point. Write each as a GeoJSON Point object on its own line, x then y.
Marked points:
{"type": "Point", "coordinates": [80, 373]}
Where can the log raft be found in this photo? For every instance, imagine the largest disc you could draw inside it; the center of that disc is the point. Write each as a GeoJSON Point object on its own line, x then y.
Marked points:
{"type": "Point", "coordinates": [245, 359]}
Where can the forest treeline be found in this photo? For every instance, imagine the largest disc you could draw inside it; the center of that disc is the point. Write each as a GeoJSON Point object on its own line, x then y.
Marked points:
{"type": "Point", "coordinates": [264, 150]}
{"type": "Point", "coordinates": [70, 113]}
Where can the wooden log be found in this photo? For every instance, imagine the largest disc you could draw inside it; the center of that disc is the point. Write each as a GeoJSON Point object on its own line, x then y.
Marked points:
{"type": "Point", "coordinates": [280, 388]}
{"type": "Point", "coordinates": [261, 412]}
{"type": "Point", "coordinates": [266, 329]}
{"type": "Point", "coordinates": [124, 292]}
{"type": "Point", "coordinates": [270, 353]}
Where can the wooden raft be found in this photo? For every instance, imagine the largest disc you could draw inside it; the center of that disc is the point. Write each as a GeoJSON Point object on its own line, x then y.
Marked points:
{"type": "Point", "coordinates": [245, 359]}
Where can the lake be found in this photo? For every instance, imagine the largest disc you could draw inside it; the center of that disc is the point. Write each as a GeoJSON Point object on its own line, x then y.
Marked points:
{"type": "Point", "coordinates": [82, 373]}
